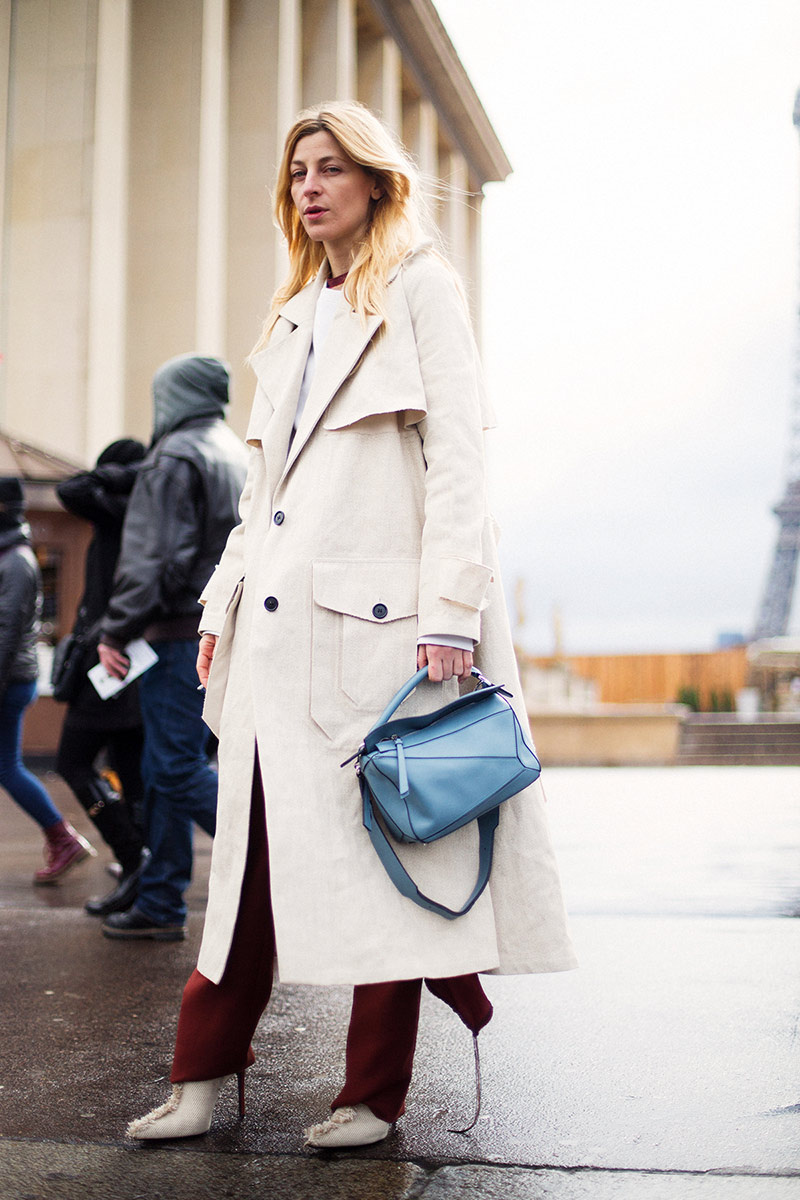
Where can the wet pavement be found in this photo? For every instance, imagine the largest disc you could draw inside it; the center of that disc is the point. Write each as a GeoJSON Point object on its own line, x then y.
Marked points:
{"type": "Point", "coordinates": [667, 1066]}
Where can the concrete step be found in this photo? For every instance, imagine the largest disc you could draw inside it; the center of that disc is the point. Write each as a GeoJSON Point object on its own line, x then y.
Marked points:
{"type": "Point", "coordinates": [722, 743]}
{"type": "Point", "coordinates": [729, 759]}
{"type": "Point", "coordinates": [711, 739]}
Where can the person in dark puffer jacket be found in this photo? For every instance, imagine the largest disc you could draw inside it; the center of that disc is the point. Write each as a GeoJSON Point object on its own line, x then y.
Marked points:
{"type": "Point", "coordinates": [93, 726]}
{"type": "Point", "coordinates": [20, 607]}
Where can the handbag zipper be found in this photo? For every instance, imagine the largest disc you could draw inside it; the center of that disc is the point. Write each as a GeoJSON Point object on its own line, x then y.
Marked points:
{"type": "Point", "coordinates": [357, 754]}
{"type": "Point", "coordinates": [402, 773]}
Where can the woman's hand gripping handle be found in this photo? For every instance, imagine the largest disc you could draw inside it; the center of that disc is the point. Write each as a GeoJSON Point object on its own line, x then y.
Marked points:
{"type": "Point", "coordinates": [443, 662]}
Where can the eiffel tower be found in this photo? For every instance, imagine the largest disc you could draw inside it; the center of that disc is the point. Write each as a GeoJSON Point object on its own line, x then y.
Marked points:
{"type": "Point", "coordinates": [776, 607]}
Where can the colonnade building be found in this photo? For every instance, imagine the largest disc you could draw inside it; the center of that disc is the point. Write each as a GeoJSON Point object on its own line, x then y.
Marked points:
{"type": "Point", "coordinates": [141, 141]}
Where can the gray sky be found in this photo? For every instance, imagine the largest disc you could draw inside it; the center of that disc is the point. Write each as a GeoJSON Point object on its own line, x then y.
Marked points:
{"type": "Point", "coordinates": [640, 297]}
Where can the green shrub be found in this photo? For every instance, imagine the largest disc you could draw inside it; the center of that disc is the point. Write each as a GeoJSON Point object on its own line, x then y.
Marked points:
{"type": "Point", "coordinates": [690, 696]}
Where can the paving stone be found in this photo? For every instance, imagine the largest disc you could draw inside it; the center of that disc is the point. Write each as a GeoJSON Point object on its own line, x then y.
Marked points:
{"type": "Point", "coordinates": [54, 1171]}
{"type": "Point", "coordinates": [514, 1183]}
{"type": "Point", "coordinates": [671, 1052]}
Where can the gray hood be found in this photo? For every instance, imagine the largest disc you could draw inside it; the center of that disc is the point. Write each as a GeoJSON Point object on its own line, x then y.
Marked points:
{"type": "Point", "coordinates": [185, 388]}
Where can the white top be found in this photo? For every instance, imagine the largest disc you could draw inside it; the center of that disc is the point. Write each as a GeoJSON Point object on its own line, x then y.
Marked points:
{"type": "Point", "coordinates": [328, 301]}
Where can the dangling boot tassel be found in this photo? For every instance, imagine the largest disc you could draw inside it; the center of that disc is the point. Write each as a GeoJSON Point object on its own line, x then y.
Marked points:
{"type": "Point", "coordinates": [474, 1120]}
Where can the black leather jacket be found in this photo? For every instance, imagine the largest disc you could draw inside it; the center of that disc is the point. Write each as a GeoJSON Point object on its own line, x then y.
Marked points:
{"type": "Point", "coordinates": [20, 606]}
{"type": "Point", "coordinates": [182, 508]}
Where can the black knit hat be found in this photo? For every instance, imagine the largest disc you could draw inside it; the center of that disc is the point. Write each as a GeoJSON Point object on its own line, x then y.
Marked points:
{"type": "Point", "coordinates": [124, 451]}
{"type": "Point", "coordinates": [11, 495]}
{"type": "Point", "coordinates": [12, 506]}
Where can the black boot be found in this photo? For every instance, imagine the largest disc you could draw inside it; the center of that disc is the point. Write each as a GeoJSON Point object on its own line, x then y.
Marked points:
{"type": "Point", "coordinates": [106, 809]}
{"type": "Point", "coordinates": [123, 896]}
{"type": "Point", "coordinates": [103, 805]}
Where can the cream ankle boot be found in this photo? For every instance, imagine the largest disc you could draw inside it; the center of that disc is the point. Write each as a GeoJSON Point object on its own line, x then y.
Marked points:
{"type": "Point", "coordinates": [187, 1113]}
{"type": "Point", "coordinates": [356, 1126]}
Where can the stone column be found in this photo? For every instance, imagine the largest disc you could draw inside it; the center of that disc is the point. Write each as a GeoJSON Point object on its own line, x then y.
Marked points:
{"type": "Point", "coordinates": [47, 227]}
{"type": "Point", "coordinates": [455, 211]}
{"type": "Point", "coordinates": [264, 91]}
{"type": "Point", "coordinates": [289, 103]}
{"type": "Point", "coordinates": [5, 50]}
{"type": "Point", "coordinates": [420, 134]}
{"type": "Point", "coordinates": [105, 388]}
{"type": "Point", "coordinates": [329, 50]}
{"type": "Point", "coordinates": [163, 214]}
{"type": "Point", "coordinates": [380, 80]}
{"type": "Point", "coordinates": [474, 261]}
{"type": "Point", "coordinates": [211, 280]}
{"type": "Point", "coordinates": [290, 65]}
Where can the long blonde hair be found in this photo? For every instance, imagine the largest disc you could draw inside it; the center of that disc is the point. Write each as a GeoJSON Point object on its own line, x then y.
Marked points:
{"type": "Point", "coordinates": [396, 222]}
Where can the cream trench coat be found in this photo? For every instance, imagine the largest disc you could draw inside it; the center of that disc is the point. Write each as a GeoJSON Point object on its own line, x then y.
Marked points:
{"type": "Point", "coordinates": [374, 528]}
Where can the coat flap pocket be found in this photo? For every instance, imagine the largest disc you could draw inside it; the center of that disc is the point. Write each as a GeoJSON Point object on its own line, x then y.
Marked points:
{"type": "Point", "coordinates": [348, 409]}
{"type": "Point", "coordinates": [372, 589]}
{"type": "Point", "coordinates": [382, 381]}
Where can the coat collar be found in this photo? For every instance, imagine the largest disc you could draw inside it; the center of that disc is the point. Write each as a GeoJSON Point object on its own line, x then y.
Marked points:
{"type": "Point", "coordinates": [280, 366]}
{"type": "Point", "coordinates": [300, 307]}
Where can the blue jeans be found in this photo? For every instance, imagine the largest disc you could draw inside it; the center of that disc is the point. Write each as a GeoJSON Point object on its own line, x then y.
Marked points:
{"type": "Point", "coordinates": [180, 786]}
{"type": "Point", "coordinates": [14, 775]}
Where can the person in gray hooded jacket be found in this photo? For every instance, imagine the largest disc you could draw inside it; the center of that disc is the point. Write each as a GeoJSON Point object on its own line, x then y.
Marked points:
{"type": "Point", "coordinates": [20, 606]}
{"type": "Point", "coordinates": [181, 510]}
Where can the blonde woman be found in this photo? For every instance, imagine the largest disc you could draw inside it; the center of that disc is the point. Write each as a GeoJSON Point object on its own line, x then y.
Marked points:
{"type": "Point", "coordinates": [365, 549]}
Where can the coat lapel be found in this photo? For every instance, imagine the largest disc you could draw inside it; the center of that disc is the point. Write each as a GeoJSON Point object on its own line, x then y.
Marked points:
{"type": "Point", "coordinates": [346, 342]}
{"type": "Point", "coordinates": [280, 365]}
{"type": "Point", "coordinates": [279, 369]}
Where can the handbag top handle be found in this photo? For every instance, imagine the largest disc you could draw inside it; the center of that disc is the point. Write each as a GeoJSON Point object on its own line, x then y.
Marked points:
{"type": "Point", "coordinates": [408, 687]}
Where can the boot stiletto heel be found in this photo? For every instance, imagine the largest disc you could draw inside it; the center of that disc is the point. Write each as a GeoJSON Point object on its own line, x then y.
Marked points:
{"type": "Point", "coordinates": [188, 1111]}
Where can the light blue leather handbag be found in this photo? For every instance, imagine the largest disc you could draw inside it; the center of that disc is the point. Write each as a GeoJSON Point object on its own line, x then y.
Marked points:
{"type": "Point", "coordinates": [426, 776]}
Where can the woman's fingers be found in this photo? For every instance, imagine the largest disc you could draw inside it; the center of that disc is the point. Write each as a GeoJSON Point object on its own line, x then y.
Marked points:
{"type": "Point", "coordinates": [444, 662]}
{"type": "Point", "coordinates": [205, 653]}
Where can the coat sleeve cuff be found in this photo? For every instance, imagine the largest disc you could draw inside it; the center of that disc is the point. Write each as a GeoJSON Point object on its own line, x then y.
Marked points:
{"type": "Point", "coordinates": [212, 619]}
{"type": "Point", "coordinates": [464, 582]}
{"type": "Point", "coordinates": [108, 639]}
{"type": "Point", "coordinates": [452, 594]}
{"type": "Point", "coordinates": [216, 599]}
{"type": "Point", "coordinates": [449, 639]}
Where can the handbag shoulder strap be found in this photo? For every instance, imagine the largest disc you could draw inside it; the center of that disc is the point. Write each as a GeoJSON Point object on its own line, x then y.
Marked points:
{"type": "Point", "coordinates": [487, 824]}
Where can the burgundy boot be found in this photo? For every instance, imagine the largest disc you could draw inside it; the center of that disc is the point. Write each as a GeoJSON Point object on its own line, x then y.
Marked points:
{"type": "Point", "coordinates": [63, 849]}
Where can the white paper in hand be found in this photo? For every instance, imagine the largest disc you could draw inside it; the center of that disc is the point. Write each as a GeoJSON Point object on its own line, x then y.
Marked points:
{"type": "Point", "coordinates": [141, 655]}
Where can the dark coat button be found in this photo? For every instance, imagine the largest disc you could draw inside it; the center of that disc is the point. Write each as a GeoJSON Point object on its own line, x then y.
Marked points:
{"type": "Point", "coordinates": [270, 604]}
{"type": "Point", "coordinates": [380, 611]}
{"type": "Point", "coordinates": [279, 518]}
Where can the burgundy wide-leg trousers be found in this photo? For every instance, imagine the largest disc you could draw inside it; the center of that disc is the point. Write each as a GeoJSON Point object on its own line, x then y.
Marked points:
{"type": "Point", "coordinates": [217, 1021]}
